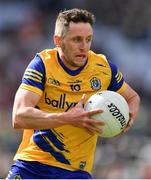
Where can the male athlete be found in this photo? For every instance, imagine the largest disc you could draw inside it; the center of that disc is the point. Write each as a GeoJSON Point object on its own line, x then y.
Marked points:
{"type": "Point", "coordinates": [59, 138]}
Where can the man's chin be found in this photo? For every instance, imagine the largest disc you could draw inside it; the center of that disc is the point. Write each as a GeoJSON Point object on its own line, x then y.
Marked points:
{"type": "Point", "coordinates": [80, 62]}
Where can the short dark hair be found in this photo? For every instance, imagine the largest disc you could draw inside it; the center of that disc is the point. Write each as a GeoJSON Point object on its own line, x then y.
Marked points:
{"type": "Point", "coordinates": [73, 15]}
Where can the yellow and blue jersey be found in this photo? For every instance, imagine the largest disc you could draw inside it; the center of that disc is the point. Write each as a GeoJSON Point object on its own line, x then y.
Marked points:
{"type": "Point", "coordinates": [61, 88]}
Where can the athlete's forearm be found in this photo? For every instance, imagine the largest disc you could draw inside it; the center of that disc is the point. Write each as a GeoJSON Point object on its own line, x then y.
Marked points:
{"type": "Point", "coordinates": [134, 103]}
{"type": "Point", "coordinates": [32, 118]}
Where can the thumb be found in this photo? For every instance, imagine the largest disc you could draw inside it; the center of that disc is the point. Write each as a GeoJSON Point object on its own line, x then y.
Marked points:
{"type": "Point", "coordinates": [81, 102]}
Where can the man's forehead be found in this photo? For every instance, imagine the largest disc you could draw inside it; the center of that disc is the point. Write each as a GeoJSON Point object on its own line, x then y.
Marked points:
{"type": "Point", "coordinates": [79, 25]}
{"type": "Point", "coordinates": [80, 28]}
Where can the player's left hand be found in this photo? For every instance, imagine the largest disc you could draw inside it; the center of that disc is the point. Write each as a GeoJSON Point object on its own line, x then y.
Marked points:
{"type": "Point", "coordinates": [130, 123]}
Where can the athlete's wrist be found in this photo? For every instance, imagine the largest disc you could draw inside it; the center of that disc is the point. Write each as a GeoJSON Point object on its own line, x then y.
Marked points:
{"type": "Point", "coordinates": [60, 118]}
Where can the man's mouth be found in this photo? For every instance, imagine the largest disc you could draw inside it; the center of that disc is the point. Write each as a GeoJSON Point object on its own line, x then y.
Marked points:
{"type": "Point", "coordinates": [81, 55]}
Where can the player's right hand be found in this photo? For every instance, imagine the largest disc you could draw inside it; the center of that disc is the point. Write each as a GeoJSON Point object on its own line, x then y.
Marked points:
{"type": "Point", "coordinates": [80, 118]}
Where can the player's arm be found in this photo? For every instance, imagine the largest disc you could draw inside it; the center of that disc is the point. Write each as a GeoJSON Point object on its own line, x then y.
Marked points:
{"type": "Point", "coordinates": [118, 84]}
{"type": "Point", "coordinates": [26, 116]}
{"type": "Point", "coordinates": [133, 101]}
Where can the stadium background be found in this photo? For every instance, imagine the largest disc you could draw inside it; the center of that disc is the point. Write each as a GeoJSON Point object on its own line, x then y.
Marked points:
{"type": "Point", "coordinates": [122, 32]}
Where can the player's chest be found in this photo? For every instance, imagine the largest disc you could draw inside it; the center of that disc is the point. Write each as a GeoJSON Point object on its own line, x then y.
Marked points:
{"type": "Point", "coordinates": [62, 91]}
{"type": "Point", "coordinates": [83, 82]}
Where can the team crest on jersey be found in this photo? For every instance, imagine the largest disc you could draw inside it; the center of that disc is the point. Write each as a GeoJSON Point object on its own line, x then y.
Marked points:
{"type": "Point", "coordinates": [82, 164]}
{"type": "Point", "coordinates": [17, 177]}
{"type": "Point", "coordinates": [95, 83]}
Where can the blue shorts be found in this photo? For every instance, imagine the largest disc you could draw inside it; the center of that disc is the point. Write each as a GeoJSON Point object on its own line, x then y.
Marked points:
{"type": "Point", "coordinates": [35, 170]}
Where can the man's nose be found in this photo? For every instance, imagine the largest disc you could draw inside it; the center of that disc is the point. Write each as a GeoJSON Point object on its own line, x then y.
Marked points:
{"type": "Point", "coordinates": [83, 45]}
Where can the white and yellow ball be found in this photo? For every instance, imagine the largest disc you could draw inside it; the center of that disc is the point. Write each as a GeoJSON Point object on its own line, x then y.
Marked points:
{"type": "Point", "coordinates": [115, 112]}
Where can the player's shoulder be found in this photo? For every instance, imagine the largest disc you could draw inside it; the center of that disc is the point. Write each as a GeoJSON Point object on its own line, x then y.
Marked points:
{"type": "Point", "coordinates": [98, 58]}
{"type": "Point", "coordinates": [48, 54]}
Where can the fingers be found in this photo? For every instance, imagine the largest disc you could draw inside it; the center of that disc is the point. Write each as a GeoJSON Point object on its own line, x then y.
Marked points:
{"type": "Point", "coordinates": [94, 111]}
{"type": "Point", "coordinates": [96, 122]}
{"type": "Point", "coordinates": [81, 102]}
{"type": "Point", "coordinates": [88, 116]}
{"type": "Point", "coordinates": [85, 118]}
{"type": "Point", "coordinates": [90, 125]}
{"type": "Point", "coordinates": [92, 129]}
{"type": "Point", "coordinates": [129, 125]}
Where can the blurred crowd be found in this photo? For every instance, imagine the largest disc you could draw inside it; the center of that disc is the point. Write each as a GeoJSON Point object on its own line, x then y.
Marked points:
{"type": "Point", "coordinates": [122, 32]}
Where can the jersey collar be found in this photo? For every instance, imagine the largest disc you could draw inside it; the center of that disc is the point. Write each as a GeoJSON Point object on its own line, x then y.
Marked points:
{"type": "Point", "coordinates": [69, 71]}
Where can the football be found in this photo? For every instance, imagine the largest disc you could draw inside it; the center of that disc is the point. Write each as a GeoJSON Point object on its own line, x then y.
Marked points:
{"type": "Point", "coordinates": [115, 112]}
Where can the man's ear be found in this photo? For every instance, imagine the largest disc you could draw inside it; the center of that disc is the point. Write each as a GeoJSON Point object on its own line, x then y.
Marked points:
{"type": "Point", "coordinates": [56, 40]}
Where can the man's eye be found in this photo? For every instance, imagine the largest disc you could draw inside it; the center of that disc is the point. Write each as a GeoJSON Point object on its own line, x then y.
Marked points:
{"type": "Point", "coordinates": [89, 40]}
{"type": "Point", "coordinates": [76, 39]}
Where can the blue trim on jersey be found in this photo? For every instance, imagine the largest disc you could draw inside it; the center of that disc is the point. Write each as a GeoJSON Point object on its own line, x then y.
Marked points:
{"type": "Point", "coordinates": [42, 138]}
{"type": "Point", "coordinates": [69, 71]}
{"type": "Point", "coordinates": [35, 73]}
{"type": "Point", "coordinates": [114, 85]}
{"type": "Point", "coordinates": [35, 170]}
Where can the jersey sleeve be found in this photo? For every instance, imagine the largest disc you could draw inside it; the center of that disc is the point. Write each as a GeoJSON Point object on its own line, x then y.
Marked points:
{"type": "Point", "coordinates": [117, 81]}
{"type": "Point", "coordinates": [34, 76]}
